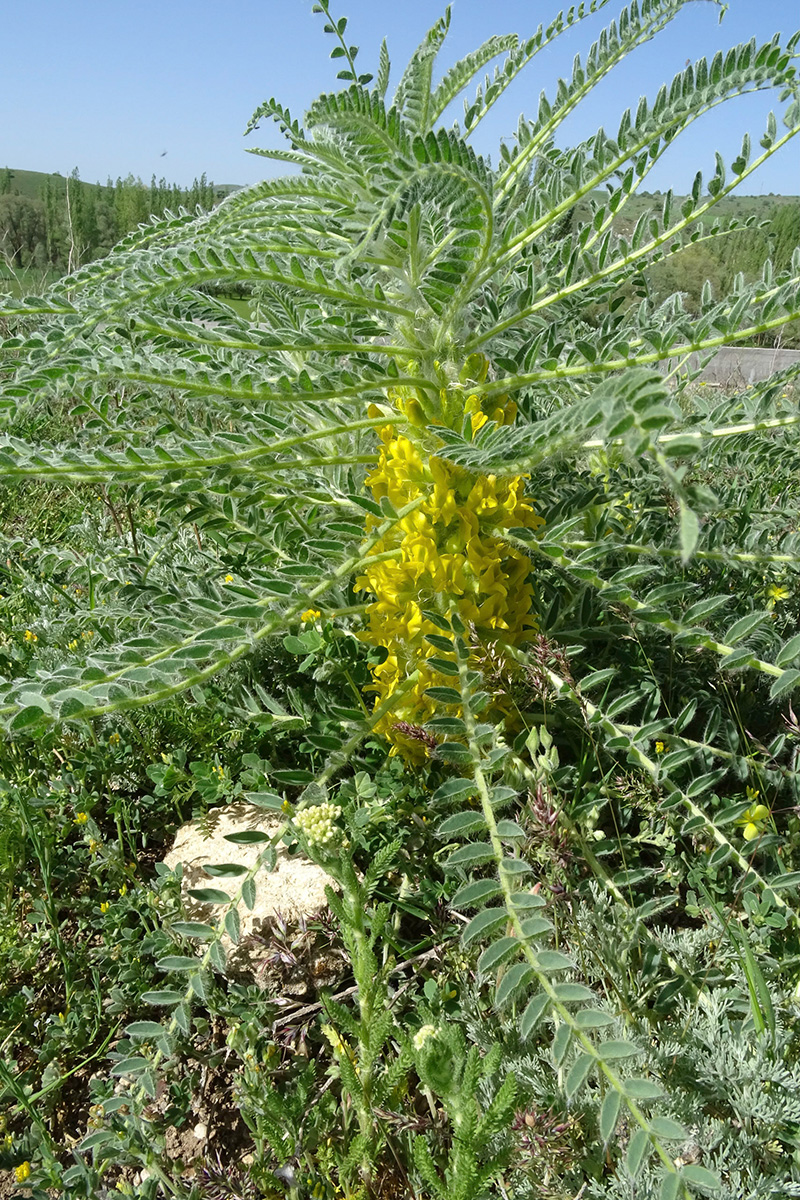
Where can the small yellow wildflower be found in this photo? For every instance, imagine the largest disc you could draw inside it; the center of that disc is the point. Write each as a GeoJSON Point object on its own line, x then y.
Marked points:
{"type": "Point", "coordinates": [114, 739]}
{"type": "Point", "coordinates": [228, 579]}
{"type": "Point", "coordinates": [73, 645]}
{"type": "Point", "coordinates": [87, 634]}
{"type": "Point", "coordinates": [94, 846]}
{"type": "Point", "coordinates": [22, 1172]}
{"type": "Point", "coordinates": [775, 594]}
{"type": "Point", "coordinates": [311, 614]}
{"type": "Point", "coordinates": [30, 636]}
{"type": "Point", "coordinates": [8, 1141]}
{"type": "Point", "coordinates": [123, 891]}
{"type": "Point", "coordinates": [104, 907]}
{"type": "Point", "coordinates": [660, 747]}
{"type": "Point", "coordinates": [755, 818]}
{"type": "Point", "coordinates": [81, 818]}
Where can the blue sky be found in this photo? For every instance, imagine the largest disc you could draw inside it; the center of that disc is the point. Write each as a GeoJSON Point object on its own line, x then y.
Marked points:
{"type": "Point", "coordinates": [108, 87]}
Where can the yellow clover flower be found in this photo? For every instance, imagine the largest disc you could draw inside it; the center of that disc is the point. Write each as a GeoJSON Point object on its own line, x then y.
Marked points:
{"type": "Point", "coordinates": [22, 1172]}
{"type": "Point", "coordinates": [310, 614]}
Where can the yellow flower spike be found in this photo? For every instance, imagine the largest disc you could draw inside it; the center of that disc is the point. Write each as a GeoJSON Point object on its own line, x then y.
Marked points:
{"type": "Point", "coordinates": [22, 1172]}
{"type": "Point", "coordinates": [447, 548]}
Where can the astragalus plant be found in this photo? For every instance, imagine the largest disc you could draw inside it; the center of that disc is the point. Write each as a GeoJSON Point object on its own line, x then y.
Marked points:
{"type": "Point", "coordinates": [443, 427]}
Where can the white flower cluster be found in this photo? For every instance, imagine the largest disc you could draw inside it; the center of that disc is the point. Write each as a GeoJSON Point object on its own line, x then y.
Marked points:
{"type": "Point", "coordinates": [422, 1035]}
{"type": "Point", "coordinates": [317, 823]}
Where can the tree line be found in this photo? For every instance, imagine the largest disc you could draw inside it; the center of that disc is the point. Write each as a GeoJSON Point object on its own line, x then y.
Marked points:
{"type": "Point", "coordinates": [71, 222]}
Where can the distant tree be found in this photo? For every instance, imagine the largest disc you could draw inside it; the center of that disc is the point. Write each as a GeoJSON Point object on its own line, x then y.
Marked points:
{"type": "Point", "coordinates": [22, 228]}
